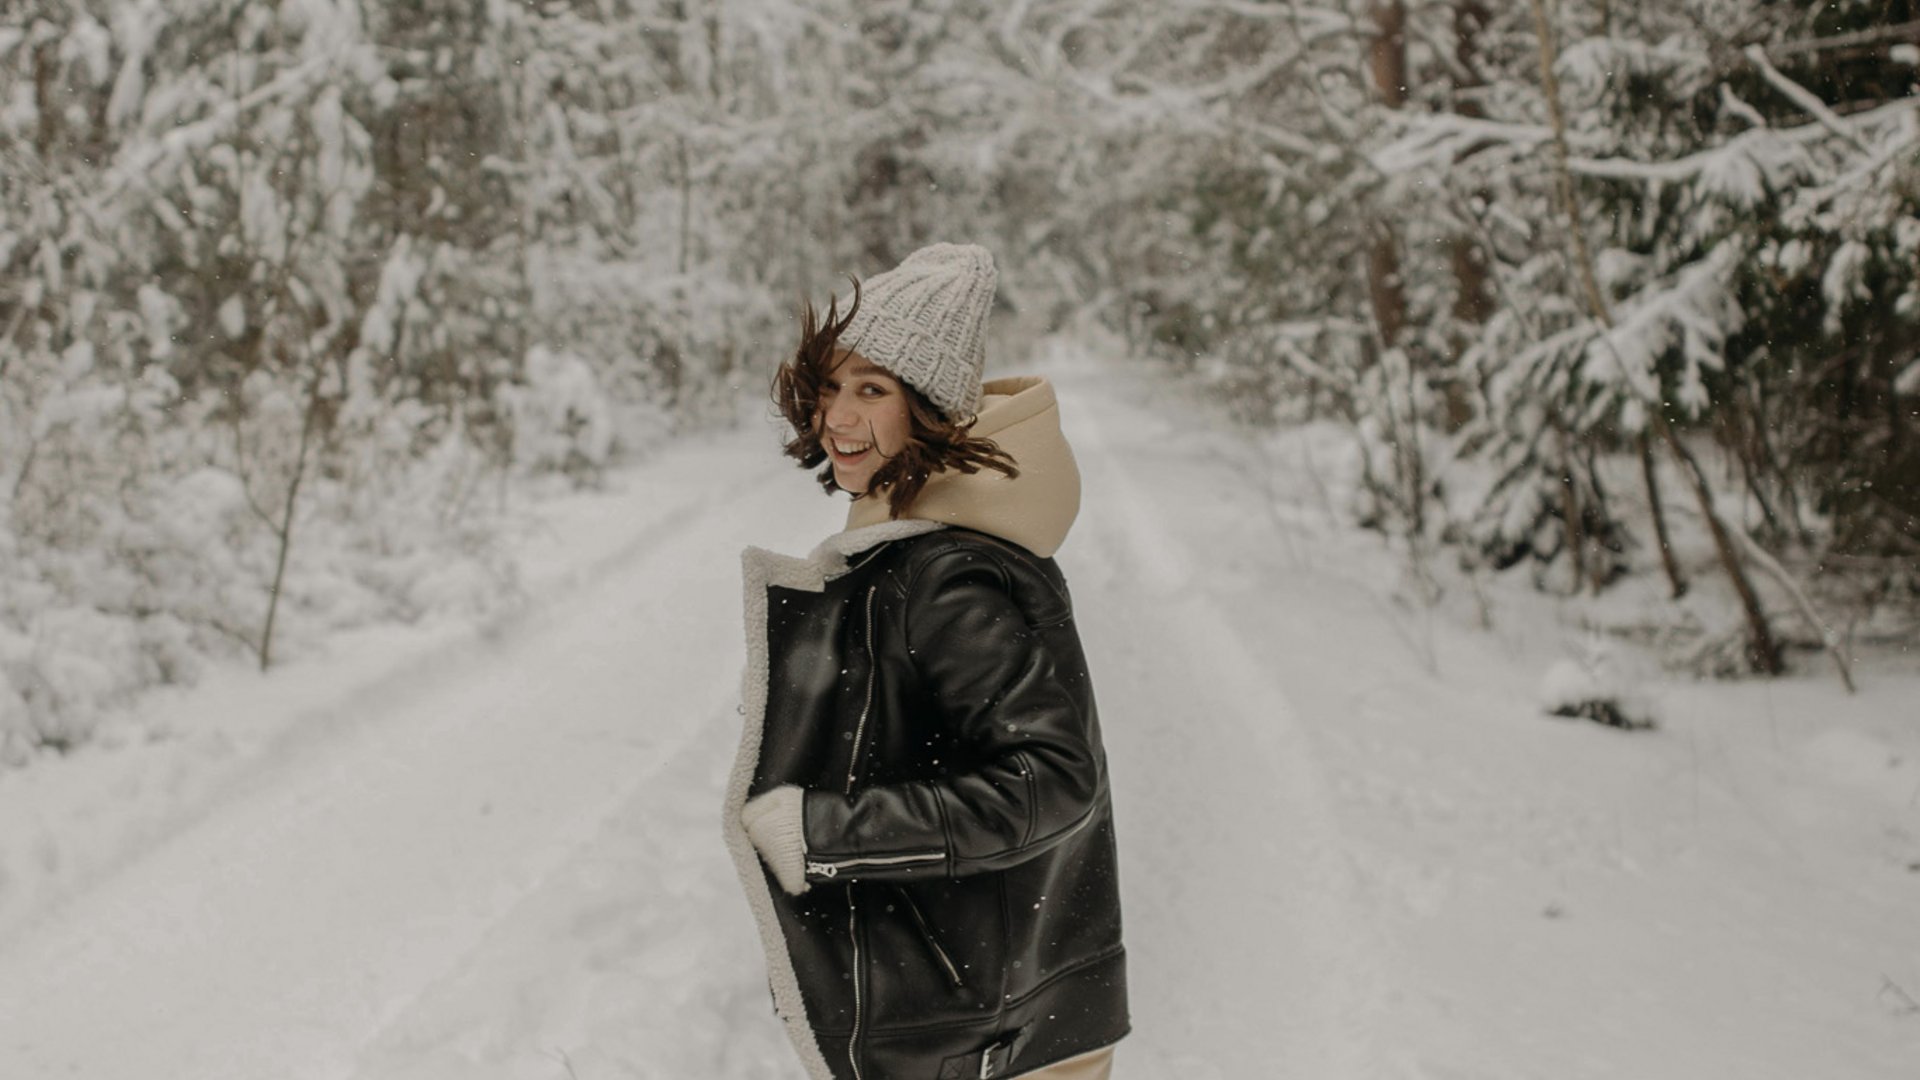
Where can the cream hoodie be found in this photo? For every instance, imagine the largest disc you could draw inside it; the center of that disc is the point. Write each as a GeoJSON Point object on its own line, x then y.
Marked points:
{"type": "Point", "coordinates": [1035, 509]}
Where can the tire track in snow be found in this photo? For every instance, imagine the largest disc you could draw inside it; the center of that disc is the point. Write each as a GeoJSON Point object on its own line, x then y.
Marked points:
{"type": "Point", "coordinates": [278, 933]}
{"type": "Point", "coordinates": [1249, 956]}
{"type": "Point", "coordinates": [637, 958]}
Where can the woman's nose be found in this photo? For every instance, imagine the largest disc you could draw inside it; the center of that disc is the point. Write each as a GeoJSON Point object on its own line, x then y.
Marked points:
{"type": "Point", "coordinates": [841, 416]}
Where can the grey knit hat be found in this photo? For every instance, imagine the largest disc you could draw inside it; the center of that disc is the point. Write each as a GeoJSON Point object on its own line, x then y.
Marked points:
{"type": "Point", "coordinates": [926, 322]}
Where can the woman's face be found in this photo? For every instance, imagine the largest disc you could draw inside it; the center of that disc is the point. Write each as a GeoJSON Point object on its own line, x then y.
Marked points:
{"type": "Point", "coordinates": [862, 420]}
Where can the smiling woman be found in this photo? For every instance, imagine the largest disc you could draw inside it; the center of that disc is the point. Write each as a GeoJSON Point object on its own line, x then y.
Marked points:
{"type": "Point", "coordinates": [920, 812]}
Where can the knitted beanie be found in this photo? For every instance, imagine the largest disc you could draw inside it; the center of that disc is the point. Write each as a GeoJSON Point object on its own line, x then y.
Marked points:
{"type": "Point", "coordinates": [926, 322]}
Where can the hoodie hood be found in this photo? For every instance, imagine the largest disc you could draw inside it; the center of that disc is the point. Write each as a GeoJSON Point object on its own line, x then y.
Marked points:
{"type": "Point", "coordinates": [1034, 509]}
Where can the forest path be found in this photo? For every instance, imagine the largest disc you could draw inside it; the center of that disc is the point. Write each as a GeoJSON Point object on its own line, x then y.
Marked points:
{"type": "Point", "coordinates": [1249, 953]}
{"type": "Point", "coordinates": [513, 868]}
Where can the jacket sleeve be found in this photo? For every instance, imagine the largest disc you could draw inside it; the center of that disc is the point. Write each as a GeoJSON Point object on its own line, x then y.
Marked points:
{"type": "Point", "coordinates": [1003, 695]}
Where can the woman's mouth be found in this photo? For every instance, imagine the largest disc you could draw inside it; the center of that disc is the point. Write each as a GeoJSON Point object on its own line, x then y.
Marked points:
{"type": "Point", "coordinates": [848, 451]}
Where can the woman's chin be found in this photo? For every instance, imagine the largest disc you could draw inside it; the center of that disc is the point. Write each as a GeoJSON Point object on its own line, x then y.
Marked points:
{"type": "Point", "coordinates": [853, 485]}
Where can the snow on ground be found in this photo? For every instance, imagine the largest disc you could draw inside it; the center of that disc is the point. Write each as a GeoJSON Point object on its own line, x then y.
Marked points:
{"type": "Point", "coordinates": [1352, 847]}
{"type": "Point", "coordinates": [1732, 895]}
{"type": "Point", "coordinates": [68, 820]}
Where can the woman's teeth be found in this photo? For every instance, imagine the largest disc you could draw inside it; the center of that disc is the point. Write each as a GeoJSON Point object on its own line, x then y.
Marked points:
{"type": "Point", "coordinates": [850, 449]}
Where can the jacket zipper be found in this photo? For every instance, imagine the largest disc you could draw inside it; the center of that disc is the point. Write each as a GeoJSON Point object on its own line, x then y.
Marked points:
{"type": "Point", "coordinates": [829, 869]}
{"type": "Point", "coordinates": [926, 934]}
{"type": "Point", "coordinates": [853, 928]}
{"type": "Point", "coordinates": [860, 729]}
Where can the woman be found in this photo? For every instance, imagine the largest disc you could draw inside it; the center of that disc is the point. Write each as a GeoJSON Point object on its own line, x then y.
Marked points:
{"type": "Point", "coordinates": [919, 812]}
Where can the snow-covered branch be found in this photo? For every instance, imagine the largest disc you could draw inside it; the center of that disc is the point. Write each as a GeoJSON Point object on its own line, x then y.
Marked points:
{"type": "Point", "coordinates": [1802, 97]}
{"type": "Point", "coordinates": [1695, 309]}
{"type": "Point", "coordinates": [1737, 169]}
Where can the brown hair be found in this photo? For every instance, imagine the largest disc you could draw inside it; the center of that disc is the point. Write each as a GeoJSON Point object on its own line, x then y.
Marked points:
{"type": "Point", "coordinates": [934, 442]}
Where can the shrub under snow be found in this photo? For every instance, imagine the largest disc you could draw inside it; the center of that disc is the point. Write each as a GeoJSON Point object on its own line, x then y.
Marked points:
{"type": "Point", "coordinates": [1592, 687]}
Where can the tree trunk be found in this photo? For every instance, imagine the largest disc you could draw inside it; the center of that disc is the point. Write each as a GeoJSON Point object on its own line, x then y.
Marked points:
{"type": "Point", "coordinates": [46, 69]}
{"type": "Point", "coordinates": [686, 203]}
{"type": "Point", "coordinates": [1387, 56]}
{"type": "Point", "coordinates": [1473, 302]}
{"type": "Point", "coordinates": [285, 529]}
{"type": "Point", "coordinates": [1389, 52]}
{"type": "Point", "coordinates": [1384, 285]}
{"type": "Point", "coordinates": [1762, 652]}
{"type": "Point", "coordinates": [1675, 579]}
{"type": "Point", "coordinates": [1570, 510]}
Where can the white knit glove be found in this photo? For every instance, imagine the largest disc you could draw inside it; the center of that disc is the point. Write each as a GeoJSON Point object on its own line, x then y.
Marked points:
{"type": "Point", "coordinates": [774, 824]}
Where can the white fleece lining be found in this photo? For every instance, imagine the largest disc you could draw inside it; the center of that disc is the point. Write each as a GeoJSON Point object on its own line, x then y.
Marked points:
{"type": "Point", "coordinates": [763, 569]}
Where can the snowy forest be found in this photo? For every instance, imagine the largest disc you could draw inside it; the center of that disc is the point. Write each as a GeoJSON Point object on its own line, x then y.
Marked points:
{"type": "Point", "coordinates": [294, 294]}
{"type": "Point", "coordinates": [1495, 436]}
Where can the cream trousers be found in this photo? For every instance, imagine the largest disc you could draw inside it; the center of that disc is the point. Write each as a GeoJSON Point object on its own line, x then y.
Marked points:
{"type": "Point", "coordinates": [1092, 1065]}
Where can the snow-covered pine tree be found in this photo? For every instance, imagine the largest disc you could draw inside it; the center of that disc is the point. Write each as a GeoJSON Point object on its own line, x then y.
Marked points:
{"type": "Point", "coordinates": [1738, 268]}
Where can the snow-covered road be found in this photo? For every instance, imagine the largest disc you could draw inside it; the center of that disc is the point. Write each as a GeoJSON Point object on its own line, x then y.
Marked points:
{"type": "Point", "coordinates": [507, 864]}
{"type": "Point", "coordinates": [1248, 954]}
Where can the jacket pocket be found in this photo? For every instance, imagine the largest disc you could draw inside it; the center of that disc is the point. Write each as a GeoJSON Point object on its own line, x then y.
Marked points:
{"type": "Point", "coordinates": [940, 954]}
{"type": "Point", "coordinates": [936, 949]}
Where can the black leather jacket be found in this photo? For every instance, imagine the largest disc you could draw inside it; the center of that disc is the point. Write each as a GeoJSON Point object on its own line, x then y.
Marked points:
{"type": "Point", "coordinates": [963, 915]}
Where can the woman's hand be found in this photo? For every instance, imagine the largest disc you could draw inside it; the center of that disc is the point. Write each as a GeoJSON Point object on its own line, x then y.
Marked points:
{"type": "Point", "coordinates": [774, 823]}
